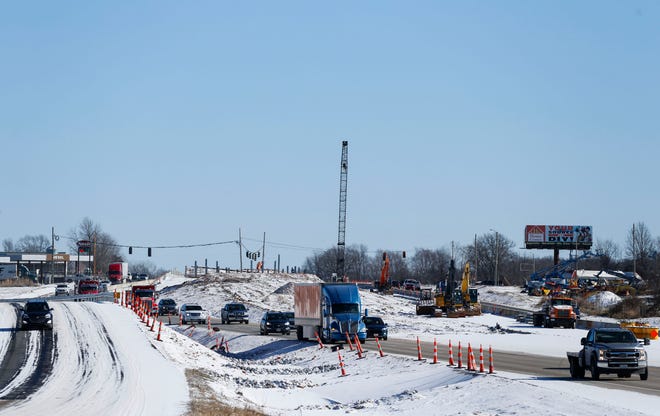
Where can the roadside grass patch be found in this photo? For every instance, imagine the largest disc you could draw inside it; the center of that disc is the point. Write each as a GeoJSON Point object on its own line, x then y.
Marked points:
{"type": "Point", "coordinates": [203, 401]}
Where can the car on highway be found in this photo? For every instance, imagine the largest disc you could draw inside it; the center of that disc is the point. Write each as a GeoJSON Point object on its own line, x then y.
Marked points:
{"type": "Point", "coordinates": [37, 313]}
{"type": "Point", "coordinates": [193, 313]}
{"type": "Point", "coordinates": [274, 322]}
{"type": "Point", "coordinates": [411, 284]}
{"type": "Point", "coordinates": [375, 327]}
{"type": "Point", "coordinates": [167, 306]}
{"type": "Point", "coordinates": [234, 312]}
{"type": "Point", "coordinates": [63, 289]}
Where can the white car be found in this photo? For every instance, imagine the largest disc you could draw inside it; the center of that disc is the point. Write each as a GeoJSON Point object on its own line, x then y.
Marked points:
{"type": "Point", "coordinates": [193, 313]}
{"type": "Point", "coordinates": [63, 289]}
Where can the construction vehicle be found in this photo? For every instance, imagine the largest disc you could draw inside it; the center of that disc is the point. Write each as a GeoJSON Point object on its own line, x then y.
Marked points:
{"type": "Point", "coordinates": [384, 284]}
{"type": "Point", "coordinates": [557, 310]}
{"type": "Point", "coordinates": [449, 300]}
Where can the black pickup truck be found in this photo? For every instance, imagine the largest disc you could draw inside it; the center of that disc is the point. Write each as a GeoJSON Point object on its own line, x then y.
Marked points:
{"type": "Point", "coordinates": [610, 351]}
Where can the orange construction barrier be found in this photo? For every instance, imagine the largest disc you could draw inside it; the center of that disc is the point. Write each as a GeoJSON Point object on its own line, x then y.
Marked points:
{"type": "Point", "coordinates": [160, 327]}
{"type": "Point", "coordinates": [469, 363]}
{"type": "Point", "coordinates": [341, 364]}
{"type": "Point", "coordinates": [491, 370]}
{"type": "Point", "coordinates": [419, 350]}
{"type": "Point", "coordinates": [435, 351]}
{"type": "Point", "coordinates": [481, 358]}
{"type": "Point", "coordinates": [451, 355]}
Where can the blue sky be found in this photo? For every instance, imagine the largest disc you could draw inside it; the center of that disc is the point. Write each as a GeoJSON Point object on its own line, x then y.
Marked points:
{"type": "Point", "coordinates": [171, 122]}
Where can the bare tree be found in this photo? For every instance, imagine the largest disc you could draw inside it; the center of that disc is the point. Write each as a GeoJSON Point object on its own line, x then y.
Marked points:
{"type": "Point", "coordinates": [430, 266]}
{"type": "Point", "coordinates": [104, 247]}
{"type": "Point", "coordinates": [8, 245]}
{"type": "Point", "coordinates": [33, 244]}
{"type": "Point", "coordinates": [609, 253]}
{"type": "Point", "coordinates": [640, 247]}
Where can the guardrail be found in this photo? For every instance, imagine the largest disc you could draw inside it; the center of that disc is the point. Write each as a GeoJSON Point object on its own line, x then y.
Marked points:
{"type": "Point", "coordinates": [101, 297]}
{"type": "Point", "coordinates": [525, 315]}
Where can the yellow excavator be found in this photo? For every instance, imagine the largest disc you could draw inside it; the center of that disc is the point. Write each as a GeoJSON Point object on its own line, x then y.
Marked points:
{"type": "Point", "coordinates": [449, 301]}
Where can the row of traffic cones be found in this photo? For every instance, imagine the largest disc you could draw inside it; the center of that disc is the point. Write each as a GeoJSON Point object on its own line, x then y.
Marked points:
{"type": "Point", "coordinates": [471, 360]}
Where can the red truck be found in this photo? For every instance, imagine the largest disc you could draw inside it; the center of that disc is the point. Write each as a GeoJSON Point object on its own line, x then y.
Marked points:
{"type": "Point", "coordinates": [88, 287]}
{"type": "Point", "coordinates": [144, 291]}
{"type": "Point", "coordinates": [118, 272]}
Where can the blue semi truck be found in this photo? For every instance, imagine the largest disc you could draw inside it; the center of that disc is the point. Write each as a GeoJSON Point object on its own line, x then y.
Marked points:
{"type": "Point", "coordinates": [330, 310]}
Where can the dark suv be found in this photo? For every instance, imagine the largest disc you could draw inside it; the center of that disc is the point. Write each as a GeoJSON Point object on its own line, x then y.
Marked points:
{"type": "Point", "coordinates": [236, 312]}
{"type": "Point", "coordinates": [375, 327]}
{"type": "Point", "coordinates": [167, 307]}
{"type": "Point", "coordinates": [274, 322]}
{"type": "Point", "coordinates": [37, 313]}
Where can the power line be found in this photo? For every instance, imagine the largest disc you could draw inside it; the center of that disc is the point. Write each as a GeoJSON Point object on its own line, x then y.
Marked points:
{"type": "Point", "coordinates": [170, 246]}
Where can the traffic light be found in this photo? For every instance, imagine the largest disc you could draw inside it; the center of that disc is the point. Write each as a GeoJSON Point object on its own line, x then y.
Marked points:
{"type": "Point", "coordinates": [149, 252]}
{"type": "Point", "coordinates": [404, 254]}
{"type": "Point", "coordinates": [130, 250]}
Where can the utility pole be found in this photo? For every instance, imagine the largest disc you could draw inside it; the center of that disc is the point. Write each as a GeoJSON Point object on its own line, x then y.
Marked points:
{"type": "Point", "coordinates": [476, 259]}
{"type": "Point", "coordinates": [497, 254]}
{"type": "Point", "coordinates": [263, 253]}
{"type": "Point", "coordinates": [240, 250]}
{"type": "Point", "coordinates": [633, 253]}
{"type": "Point", "coordinates": [52, 254]}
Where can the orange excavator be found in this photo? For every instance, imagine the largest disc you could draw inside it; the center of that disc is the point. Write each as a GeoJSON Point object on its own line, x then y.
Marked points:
{"type": "Point", "coordinates": [384, 284]}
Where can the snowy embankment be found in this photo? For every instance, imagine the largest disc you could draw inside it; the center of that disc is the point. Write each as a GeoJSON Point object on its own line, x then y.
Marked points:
{"type": "Point", "coordinates": [110, 363]}
{"type": "Point", "coordinates": [104, 365]}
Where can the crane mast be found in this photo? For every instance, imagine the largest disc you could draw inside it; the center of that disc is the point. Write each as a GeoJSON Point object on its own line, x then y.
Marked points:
{"type": "Point", "coordinates": [341, 240]}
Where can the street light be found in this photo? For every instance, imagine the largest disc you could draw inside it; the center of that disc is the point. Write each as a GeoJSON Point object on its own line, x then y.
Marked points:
{"type": "Point", "coordinates": [497, 252]}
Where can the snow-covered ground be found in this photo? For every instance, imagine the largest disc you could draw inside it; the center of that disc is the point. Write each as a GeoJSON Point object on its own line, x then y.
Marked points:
{"type": "Point", "coordinates": [285, 377]}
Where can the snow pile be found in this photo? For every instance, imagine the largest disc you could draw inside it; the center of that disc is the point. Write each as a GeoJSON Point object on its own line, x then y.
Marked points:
{"type": "Point", "coordinates": [603, 300]}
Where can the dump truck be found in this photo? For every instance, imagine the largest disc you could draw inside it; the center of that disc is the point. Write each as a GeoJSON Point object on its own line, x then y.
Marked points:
{"type": "Point", "coordinates": [610, 351]}
{"type": "Point", "coordinates": [331, 310]}
{"type": "Point", "coordinates": [558, 310]}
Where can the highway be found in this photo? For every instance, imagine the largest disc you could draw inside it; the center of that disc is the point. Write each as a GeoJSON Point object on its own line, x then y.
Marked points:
{"type": "Point", "coordinates": [538, 367]}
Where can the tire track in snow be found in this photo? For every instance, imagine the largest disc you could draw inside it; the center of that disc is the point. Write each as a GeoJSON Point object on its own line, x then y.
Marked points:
{"type": "Point", "coordinates": [27, 363]}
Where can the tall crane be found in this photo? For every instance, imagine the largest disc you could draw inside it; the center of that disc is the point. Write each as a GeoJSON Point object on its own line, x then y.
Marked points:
{"type": "Point", "coordinates": [341, 240]}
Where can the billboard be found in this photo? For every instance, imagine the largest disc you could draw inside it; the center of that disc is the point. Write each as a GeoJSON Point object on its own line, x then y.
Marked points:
{"type": "Point", "coordinates": [559, 236]}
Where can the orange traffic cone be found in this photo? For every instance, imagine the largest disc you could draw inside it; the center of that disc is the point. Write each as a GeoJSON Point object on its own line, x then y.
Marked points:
{"type": "Point", "coordinates": [469, 358]}
{"type": "Point", "coordinates": [153, 323]}
{"type": "Point", "coordinates": [319, 340]}
{"type": "Point", "coordinates": [160, 326]}
{"type": "Point", "coordinates": [358, 347]}
{"type": "Point", "coordinates": [460, 355]}
{"type": "Point", "coordinates": [491, 370]}
{"type": "Point", "coordinates": [348, 338]}
{"type": "Point", "coordinates": [481, 358]}
{"type": "Point", "coordinates": [435, 351]}
{"type": "Point", "coordinates": [451, 355]}
{"type": "Point", "coordinates": [341, 364]}
{"type": "Point", "coordinates": [380, 350]}
{"type": "Point", "coordinates": [419, 350]}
